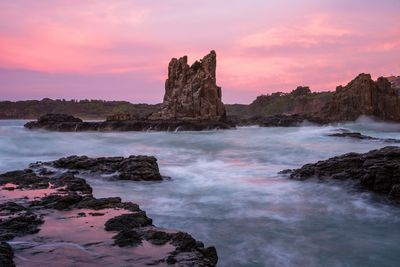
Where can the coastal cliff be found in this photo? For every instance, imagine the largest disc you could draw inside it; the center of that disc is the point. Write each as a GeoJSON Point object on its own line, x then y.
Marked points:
{"type": "Point", "coordinates": [364, 96]}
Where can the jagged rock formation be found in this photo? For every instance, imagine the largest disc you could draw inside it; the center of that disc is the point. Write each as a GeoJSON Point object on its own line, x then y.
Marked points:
{"type": "Point", "coordinates": [364, 96]}
{"type": "Point", "coordinates": [191, 92]}
{"type": "Point", "coordinates": [395, 81]}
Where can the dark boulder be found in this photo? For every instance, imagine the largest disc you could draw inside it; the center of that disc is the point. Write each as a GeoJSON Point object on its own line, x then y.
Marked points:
{"type": "Point", "coordinates": [21, 224]}
{"type": "Point", "coordinates": [128, 221]}
{"type": "Point", "coordinates": [127, 237]}
{"type": "Point", "coordinates": [376, 170]}
{"type": "Point", "coordinates": [6, 255]}
{"type": "Point", "coordinates": [360, 136]}
{"type": "Point", "coordinates": [25, 179]}
{"type": "Point", "coordinates": [135, 168]}
{"type": "Point", "coordinates": [10, 208]}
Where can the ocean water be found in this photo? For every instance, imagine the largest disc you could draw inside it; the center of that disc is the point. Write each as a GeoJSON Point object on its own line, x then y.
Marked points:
{"type": "Point", "coordinates": [225, 190]}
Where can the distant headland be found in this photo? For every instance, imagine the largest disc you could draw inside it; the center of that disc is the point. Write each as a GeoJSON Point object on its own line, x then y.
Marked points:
{"type": "Point", "coordinates": [192, 93]}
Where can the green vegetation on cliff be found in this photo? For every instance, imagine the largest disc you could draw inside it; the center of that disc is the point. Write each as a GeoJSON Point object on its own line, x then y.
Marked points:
{"type": "Point", "coordinates": [299, 101]}
{"type": "Point", "coordinates": [85, 109]}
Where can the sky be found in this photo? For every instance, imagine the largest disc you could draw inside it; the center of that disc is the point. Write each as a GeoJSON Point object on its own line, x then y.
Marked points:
{"type": "Point", "coordinates": [120, 50]}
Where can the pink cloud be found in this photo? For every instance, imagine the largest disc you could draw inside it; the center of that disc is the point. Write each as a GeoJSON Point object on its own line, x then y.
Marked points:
{"type": "Point", "coordinates": [307, 32]}
{"type": "Point", "coordinates": [262, 47]}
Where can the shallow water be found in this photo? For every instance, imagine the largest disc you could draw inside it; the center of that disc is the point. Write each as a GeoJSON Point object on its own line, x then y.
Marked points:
{"type": "Point", "coordinates": [225, 191]}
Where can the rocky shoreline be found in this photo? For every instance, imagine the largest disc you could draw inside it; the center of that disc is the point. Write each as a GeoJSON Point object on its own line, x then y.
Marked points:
{"type": "Point", "coordinates": [42, 208]}
{"type": "Point", "coordinates": [67, 123]}
{"type": "Point", "coordinates": [359, 136]}
{"type": "Point", "coordinates": [294, 120]}
{"type": "Point", "coordinates": [377, 171]}
{"type": "Point", "coordinates": [133, 168]}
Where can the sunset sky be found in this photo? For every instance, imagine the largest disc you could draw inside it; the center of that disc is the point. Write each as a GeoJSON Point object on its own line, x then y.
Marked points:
{"type": "Point", "coordinates": [119, 50]}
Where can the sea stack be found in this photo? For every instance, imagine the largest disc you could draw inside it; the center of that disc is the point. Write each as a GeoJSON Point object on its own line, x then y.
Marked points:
{"type": "Point", "coordinates": [364, 96]}
{"type": "Point", "coordinates": [191, 92]}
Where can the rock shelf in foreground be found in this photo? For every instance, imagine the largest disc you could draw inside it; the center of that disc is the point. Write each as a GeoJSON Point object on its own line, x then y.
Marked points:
{"type": "Point", "coordinates": [38, 211]}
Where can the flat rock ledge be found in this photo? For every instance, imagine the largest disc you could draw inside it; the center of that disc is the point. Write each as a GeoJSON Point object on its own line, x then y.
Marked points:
{"type": "Point", "coordinates": [377, 171]}
{"type": "Point", "coordinates": [67, 123]}
{"type": "Point", "coordinates": [41, 210]}
{"type": "Point", "coordinates": [356, 135]}
{"type": "Point", "coordinates": [133, 168]}
{"type": "Point", "coordinates": [281, 120]}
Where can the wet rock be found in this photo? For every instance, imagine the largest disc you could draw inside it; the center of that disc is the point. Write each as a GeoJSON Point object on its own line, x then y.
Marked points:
{"type": "Point", "coordinates": [210, 254]}
{"type": "Point", "coordinates": [128, 221]}
{"type": "Point", "coordinates": [188, 250]}
{"type": "Point", "coordinates": [25, 179]}
{"type": "Point", "coordinates": [135, 168]}
{"type": "Point", "coordinates": [59, 202]}
{"type": "Point", "coordinates": [394, 193]}
{"type": "Point", "coordinates": [99, 203]}
{"type": "Point", "coordinates": [157, 237]}
{"type": "Point", "coordinates": [191, 92]}
{"type": "Point", "coordinates": [8, 188]}
{"type": "Point", "coordinates": [278, 120]}
{"type": "Point", "coordinates": [127, 237]}
{"type": "Point", "coordinates": [67, 192]}
{"type": "Point", "coordinates": [131, 125]}
{"type": "Point", "coordinates": [376, 170]}
{"type": "Point", "coordinates": [6, 255]}
{"type": "Point", "coordinates": [184, 242]}
{"type": "Point", "coordinates": [72, 183]}
{"type": "Point", "coordinates": [96, 214]}
{"type": "Point", "coordinates": [10, 208]}
{"type": "Point", "coordinates": [22, 224]}
{"type": "Point", "coordinates": [360, 136]}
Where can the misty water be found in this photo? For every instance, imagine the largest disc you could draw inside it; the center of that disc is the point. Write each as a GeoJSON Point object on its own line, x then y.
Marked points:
{"type": "Point", "coordinates": [225, 190]}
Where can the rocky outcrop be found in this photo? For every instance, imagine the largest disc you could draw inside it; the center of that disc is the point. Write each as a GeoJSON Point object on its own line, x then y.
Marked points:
{"type": "Point", "coordinates": [191, 92]}
{"type": "Point", "coordinates": [6, 255]}
{"type": "Point", "coordinates": [276, 120]}
{"type": "Point", "coordinates": [364, 96]}
{"type": "Point", "coordinates": [58, 124]}
{"type": "Point", "coordinates": [121, 117]}
{"type": "Point", "coordinates": [360, 136]}
{"type": "Point", "coordinates": [377, 170]}
{"type": "Point", "coordinates": [134, 168]}
{"type": "Point", "coordinates": [57, 118]}
{"type": "Point", "coordinates": [395, 81]}
{"type": "Point", "coordinates": [100, 226]}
